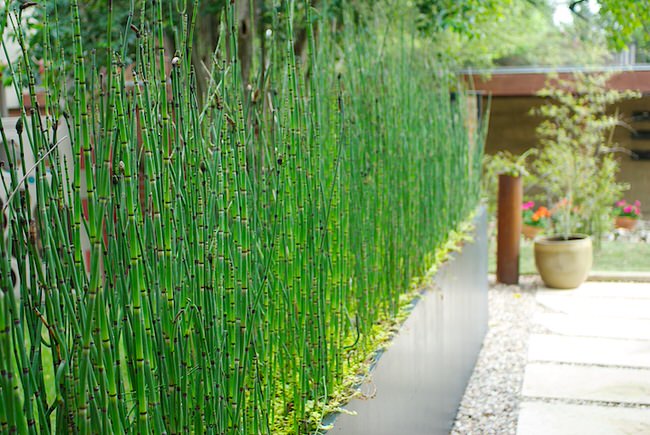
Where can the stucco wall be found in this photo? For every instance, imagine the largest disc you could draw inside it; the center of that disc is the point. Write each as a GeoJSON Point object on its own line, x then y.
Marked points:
{"type": "Point", "coordinates": [512, 128]}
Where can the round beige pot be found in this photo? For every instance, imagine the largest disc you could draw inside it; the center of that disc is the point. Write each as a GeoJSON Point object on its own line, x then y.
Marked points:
{"type": "Point", "coordinates": [563, 264]}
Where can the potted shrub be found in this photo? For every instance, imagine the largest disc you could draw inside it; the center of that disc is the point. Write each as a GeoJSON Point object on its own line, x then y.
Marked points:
{"type": "Point", "coordinates": [564, 258]}
{"type": "Point", "coordinates": [534, 221]}
{"type": "Point", "coordinates": [576, 169]}
{"type": "Point", "coordinates": [626, 214]}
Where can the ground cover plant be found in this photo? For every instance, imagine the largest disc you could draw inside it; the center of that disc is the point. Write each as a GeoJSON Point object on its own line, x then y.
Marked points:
{"type": "Point", "coordinates": [246, 247]}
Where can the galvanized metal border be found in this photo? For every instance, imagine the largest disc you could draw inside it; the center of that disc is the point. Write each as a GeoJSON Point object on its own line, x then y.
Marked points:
{"type": "Point", "coordinates": [418, 382]}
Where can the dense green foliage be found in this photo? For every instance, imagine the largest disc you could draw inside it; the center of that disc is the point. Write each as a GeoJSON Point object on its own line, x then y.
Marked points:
{"type": "Point", "coordinates": [461, 33]}
{"type": "Point", "coordinates": [480, 34]}
{"type": "Point", "coordinates": [245, 252]}
{"type": "Point", "coordinates": [624, 20]}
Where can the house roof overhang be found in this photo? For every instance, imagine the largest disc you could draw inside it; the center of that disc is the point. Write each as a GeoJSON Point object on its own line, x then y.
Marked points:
{"type": "Point", "coordinates": [526, 82]}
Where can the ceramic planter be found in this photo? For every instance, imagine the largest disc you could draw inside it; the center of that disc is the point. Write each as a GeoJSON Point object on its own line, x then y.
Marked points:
{"type": "Point", "coordinates": [625, 222]}
{"type": "Point", "coordinates": [530, 232]}
{"type": "Point", "coordinates": [563, 264]}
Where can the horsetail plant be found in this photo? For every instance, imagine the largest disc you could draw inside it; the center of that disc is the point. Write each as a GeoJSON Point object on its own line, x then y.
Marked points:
{"type": "Point", "coordinates": [190, 264]}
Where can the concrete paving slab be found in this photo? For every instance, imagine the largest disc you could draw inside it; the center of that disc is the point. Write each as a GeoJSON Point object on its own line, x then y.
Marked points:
{"type": "Point", "coordinates": [606, 289]}
{"type": "Point", "coordinates": [607, 384]}
{"type": "Point", "coordinates": [591, 326]}
{"type": "Point", "coordinates": [614, 276]}
{"type": "Point", "coordinates": [599, 351]}
{"type": "Point", "coordinates": [537, 418]}
{"type": "Point", "coordinates": [589, 350]}
{"type": "Point", "coordinates": [573, 304]}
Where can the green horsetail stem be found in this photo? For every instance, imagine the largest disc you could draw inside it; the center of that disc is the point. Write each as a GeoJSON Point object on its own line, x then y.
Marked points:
{"type": "Point", "coordinates": [226, 262]}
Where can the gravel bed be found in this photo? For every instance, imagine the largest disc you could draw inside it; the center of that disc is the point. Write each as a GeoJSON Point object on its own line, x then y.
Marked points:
{"type": "Point", "coordinates": [491, 401]}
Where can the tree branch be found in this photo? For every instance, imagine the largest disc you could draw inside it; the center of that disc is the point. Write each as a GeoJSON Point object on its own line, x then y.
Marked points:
{"type": "Point", "coordinates": [573, 5]}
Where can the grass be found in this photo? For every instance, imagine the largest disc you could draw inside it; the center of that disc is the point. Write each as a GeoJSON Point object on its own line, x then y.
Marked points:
{"type": "Point", "coordinates": [622, 257]}
{"type": "Point", "coordinates": [613, 256]}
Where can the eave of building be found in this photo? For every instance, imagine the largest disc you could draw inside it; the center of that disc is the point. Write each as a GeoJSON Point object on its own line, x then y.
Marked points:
{"type": "Point", "coordinates": [528, 81]}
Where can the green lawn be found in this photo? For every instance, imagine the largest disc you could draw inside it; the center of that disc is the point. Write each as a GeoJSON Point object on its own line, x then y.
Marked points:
{"type": "Point", "coordinates": [612, 256]}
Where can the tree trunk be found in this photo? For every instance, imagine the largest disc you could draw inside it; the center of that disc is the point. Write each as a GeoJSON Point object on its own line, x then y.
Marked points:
{"type": "Point", "coordinates": [245, 36]}
{"type": "Point", "coordinates": [205, 42]}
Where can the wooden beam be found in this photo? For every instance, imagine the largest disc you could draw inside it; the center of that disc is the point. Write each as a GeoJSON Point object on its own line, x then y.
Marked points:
{"type": "Point", "coordinates": [528, 84]}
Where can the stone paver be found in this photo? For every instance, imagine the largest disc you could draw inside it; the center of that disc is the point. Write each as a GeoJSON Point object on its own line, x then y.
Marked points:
{"type": "Point", "coordinates": [593, 326]}
{"type": "Point", "coordinates": [609, 276]}
{"type": "Point", "coordinates": [578, 382]}
{"type": "Point", "coordinates": [589, 350]}
{"type": "Point", "coordinates": [630, 308]}
{"type": "Point", "coordinates": [538, 418]}
{"type": "Point", "coordinates": [595, 352]}
{"type": "Point", "coordinates": [604, 289]}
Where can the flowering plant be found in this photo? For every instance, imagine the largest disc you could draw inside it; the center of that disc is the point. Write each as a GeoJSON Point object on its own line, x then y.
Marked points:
{"type": "Point", "coordinates": [532, 217]}
{"type": "Point", "coordinates": [623, 209]}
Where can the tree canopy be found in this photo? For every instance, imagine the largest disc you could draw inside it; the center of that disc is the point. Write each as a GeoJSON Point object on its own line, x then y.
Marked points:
{"type": "Point", "coordinates": [622, 19]}
{"type": "Point", "coordinates": [461, 33]}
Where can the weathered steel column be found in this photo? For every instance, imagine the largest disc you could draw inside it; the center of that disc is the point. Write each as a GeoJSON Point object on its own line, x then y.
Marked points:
{"type": "Point", "coordinates": [509, 228]}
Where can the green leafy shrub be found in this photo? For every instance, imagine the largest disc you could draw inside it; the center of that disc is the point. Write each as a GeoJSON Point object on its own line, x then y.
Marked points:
{"type": "Point", "coordinates": [577, 167]}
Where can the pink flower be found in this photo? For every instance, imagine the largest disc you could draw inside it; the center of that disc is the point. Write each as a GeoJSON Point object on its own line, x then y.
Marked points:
{"type": "Point", "coordinates": [637, 203]}
{"type": "Point", "coordinates": [621, 203]}
{"type": "Point", "coordinates": [528, 205]}
{"type": "Point", "coordinates": [628, 209]}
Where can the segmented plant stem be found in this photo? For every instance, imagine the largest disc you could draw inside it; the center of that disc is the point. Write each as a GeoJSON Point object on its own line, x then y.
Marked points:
{"type": "Point", "coordinates": [222, 263]}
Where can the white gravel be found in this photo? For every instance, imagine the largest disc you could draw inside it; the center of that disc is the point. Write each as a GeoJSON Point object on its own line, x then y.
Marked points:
{"type": "Point", "coordinates": [491, 401]}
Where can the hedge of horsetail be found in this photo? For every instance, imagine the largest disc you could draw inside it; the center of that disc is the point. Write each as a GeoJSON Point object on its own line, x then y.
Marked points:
{"type": "Point", "coordinates": [244, 252]}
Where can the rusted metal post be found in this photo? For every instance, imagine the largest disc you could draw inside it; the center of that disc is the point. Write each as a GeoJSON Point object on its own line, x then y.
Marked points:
{"type": "Point", "coordinates": [509, 228]}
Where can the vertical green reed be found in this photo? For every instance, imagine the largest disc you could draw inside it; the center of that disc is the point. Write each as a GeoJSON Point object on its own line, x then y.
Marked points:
{"type": "Point", "coordinates": [244, 256]}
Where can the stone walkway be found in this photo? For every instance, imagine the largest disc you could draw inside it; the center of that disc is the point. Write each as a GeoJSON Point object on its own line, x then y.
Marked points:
{"type": "Point", "coordinates": [588, 368]}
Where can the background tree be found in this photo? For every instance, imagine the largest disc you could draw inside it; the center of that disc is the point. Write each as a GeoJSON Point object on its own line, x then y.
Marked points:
{"type": "Point", "coordinates": [621, 19]}
{"type": "Point", "coordinates": [461, 33]}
